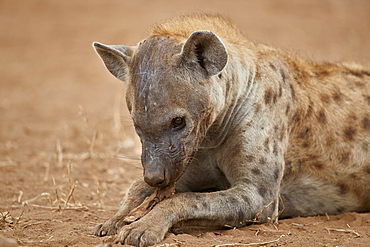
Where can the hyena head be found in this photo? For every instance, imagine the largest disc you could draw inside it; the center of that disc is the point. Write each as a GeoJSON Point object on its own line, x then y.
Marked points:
{"type": "Point", "coordinates": [169, 85]}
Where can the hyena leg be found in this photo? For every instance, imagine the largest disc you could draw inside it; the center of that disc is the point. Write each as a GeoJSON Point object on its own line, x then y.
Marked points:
{"type": "Point", "coordinates": [136, 194]}
{"type": "Point", "coordinates": [234, 207]}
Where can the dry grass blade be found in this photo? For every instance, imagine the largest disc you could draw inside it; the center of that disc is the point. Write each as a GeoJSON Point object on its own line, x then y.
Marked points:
{"type": "Point", "coordinates": [31, 224]}
{"type": "Point", "coordinates": [6, 220]}
{"type": "Point", "coordinates": [99, 194]}
{"type": "Point", "coordinates": [257, 218]}
{"type": "Point", "coordinates": [45, 194]}
{"type": "Point", "coordinates": [18, 219]}
{"type": "Point", "coordinates": [38, 158]}
{"type": "Point", "coordinates": [251, 244]}
{"type": "Point", "coordinates": [92, 143]}
{"type": "Point", "coordinates": [19, 200]}
{"type": "Point", "coordinates": [56, 193]}
{"type": "Point", "coordinates": [70, 195]}
{"type": "Point", "coordinates": [44, 240]}
{"type": "Point", "coordinates": [276, 218]}
{"type": "Point", "coordinates": [69, 168]}
{"type": "Point", "coordinates": [62, 201]}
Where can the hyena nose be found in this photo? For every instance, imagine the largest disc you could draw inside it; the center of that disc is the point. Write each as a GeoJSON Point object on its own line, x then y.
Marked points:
{"type": "Point", "coordinates": [155, 179]}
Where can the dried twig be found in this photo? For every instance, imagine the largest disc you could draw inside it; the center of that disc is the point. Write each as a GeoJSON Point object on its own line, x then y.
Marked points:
{"type": "Point", "coordinates": [177, 241]}
{"type": "Point", "coordinates": [276, 218]}
{"type": "Point", "coordinates": [343, 230]}
{"type": "Point", "coordinates": [308, 224]}
{"type": "Point", "coordinates": [259, 230]}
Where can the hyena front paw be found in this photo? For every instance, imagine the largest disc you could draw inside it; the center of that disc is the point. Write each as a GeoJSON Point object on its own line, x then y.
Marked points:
{"type": "Point", "coordinates": [110, 227]}
{"type": "Point", "coordinates": [141, 234]}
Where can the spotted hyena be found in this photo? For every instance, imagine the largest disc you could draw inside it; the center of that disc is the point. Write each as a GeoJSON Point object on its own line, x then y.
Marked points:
{"type": "Point", "coordinates": [247, 131]}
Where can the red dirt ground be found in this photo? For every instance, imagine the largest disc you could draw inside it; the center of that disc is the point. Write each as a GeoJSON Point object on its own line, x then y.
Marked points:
{"type": "Point", "coordinates": [66, 158]}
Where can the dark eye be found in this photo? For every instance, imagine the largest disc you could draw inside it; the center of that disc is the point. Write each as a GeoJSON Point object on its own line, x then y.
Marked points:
{"type": "Point", "coordinates": [178, 123]}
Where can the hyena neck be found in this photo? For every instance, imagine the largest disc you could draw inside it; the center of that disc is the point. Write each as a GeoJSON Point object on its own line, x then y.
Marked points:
{"type": "Point", "coordinates": [233, 99]}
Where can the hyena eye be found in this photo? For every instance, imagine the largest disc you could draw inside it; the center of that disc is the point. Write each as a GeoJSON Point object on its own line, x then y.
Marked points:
{"type": "Point", "coordinates": [178, 123]}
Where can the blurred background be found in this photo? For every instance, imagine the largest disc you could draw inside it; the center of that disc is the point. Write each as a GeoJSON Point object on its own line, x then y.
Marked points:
{"type": "Point", "coordinates": [59, 105]}
{"type": "Point", "coordinates": [48, 67]}
{"type": "Point", "coordinates": [50, 73]}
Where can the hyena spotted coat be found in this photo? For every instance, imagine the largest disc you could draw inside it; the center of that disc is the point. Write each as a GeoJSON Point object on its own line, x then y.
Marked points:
{"type": "Point", "coordinates": [247, 131]}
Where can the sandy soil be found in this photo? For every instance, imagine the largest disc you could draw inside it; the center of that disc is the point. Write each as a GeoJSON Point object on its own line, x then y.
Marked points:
{"type": "Point", "coordinates": [67, 149]}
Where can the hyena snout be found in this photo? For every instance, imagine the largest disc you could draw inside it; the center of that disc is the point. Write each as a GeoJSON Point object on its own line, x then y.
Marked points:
{"type": "Point", "coordinates": [155, 173]}
{"type": "Point", "coordinates": [155, 176]}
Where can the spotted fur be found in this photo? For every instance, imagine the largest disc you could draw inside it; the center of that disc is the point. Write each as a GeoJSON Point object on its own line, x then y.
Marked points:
{"type": "Point", "coordinates": [262, 130]}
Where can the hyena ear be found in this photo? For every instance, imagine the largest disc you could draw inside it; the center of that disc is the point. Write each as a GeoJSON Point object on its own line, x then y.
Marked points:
{"type": "Point", "coordinates": [115, 58]}
{"type": "Point", "coordinates": [207, 50]}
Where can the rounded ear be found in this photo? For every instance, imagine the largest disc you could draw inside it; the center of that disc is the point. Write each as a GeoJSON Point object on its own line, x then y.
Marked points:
{"type": "Point", "coordinates": [207, 50]}
{"type": "Point", "coordinates": [115, 58]}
